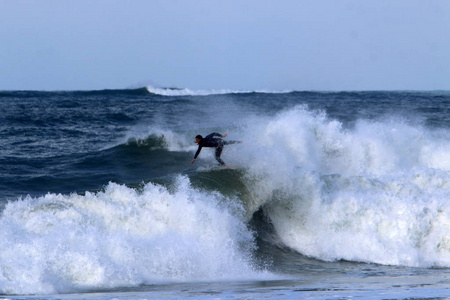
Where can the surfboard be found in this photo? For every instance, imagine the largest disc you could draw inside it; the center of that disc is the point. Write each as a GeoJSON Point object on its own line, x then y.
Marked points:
{"type": "Point", "coordinates": [230, 167]}
{"type": "Point", "coordinates": [217, 168]}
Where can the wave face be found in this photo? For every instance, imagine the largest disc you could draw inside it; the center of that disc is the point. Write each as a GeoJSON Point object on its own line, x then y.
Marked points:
{"type": "Point", "coordinates": [97, 190]}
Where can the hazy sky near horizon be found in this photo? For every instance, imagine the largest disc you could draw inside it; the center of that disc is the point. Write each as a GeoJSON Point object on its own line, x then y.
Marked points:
{"type": "Point", "coordinates": [231, 44]}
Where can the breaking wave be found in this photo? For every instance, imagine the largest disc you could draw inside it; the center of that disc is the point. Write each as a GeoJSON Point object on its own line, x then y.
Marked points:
{"type": "Point", "coordinates": [377, 192]}
{"type": "Point", "coordinates": [123, 237]}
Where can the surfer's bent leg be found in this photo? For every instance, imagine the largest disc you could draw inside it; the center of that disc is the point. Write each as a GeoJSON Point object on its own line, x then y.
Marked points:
{"type": "Point", "coordinates": [219, 153]}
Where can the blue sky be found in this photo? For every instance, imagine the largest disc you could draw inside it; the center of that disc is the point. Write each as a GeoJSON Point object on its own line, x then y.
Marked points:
{"type": "Point", "coordinates": [233, 44]}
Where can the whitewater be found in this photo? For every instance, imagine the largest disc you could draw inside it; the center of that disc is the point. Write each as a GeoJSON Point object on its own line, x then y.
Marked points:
{"type": "Point", "coordinates": [330, 195]}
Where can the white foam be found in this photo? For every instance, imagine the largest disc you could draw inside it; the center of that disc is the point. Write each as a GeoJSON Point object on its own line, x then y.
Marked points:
{"type": "Point", "coordinates": [389, 220]}
{"type": "Point", "coordinates": [122, 237]}
{"type": "Point", "coordinates": [377, 192]}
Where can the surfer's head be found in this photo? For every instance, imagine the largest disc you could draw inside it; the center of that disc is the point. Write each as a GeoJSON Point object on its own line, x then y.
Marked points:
{"type": "Point", "coordinates": [198, 138]}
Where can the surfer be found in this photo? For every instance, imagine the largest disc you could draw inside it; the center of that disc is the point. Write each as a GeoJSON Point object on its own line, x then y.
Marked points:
{"type": "Point", "coordinates": [210, 141]}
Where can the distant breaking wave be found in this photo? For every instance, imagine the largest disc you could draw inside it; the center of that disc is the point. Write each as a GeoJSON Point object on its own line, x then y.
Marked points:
{"type": "Point", "coordinates": [189, 92]}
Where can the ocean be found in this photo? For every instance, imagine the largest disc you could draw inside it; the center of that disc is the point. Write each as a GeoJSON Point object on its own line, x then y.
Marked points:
{"type": "Point", "coordinates": [330, 195]}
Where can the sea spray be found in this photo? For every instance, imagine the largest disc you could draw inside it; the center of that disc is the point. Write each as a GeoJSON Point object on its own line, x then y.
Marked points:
{"type": "Point", "coordinates": [371, 193]}
{"type": "Point", "coordinates": [122, 237]}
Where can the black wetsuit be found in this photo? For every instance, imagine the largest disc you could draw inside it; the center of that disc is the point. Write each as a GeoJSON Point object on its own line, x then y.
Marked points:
{"type": "Point", "coordinates": [210, 141]}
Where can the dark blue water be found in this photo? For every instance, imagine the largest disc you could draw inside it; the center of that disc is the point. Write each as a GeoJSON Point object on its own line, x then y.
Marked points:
{"type": "Point", "coordinates": [66, 142]}
{"type": "Point", "coordinates": [330, 194]}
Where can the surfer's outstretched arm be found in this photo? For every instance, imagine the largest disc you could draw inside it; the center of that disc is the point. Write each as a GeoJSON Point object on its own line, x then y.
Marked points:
{"type": "Point", "coordinates": [196, 153]}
